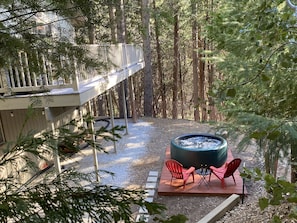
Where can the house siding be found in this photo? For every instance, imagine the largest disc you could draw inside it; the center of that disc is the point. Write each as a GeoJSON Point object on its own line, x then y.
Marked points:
{"type": "Point", "coordinates": [14, 121]}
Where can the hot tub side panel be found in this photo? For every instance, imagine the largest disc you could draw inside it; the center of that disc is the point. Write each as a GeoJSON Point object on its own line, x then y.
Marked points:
{"type": "Point", "coordinates": [198, 158]}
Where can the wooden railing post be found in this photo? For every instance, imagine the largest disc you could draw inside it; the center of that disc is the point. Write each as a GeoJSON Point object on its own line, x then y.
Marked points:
{"type": "Point", "coordinates": [75, 82]}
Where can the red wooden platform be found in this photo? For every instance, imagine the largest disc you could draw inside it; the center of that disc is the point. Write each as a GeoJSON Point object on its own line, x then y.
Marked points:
{"type": "Point", "coordinates": [194, 189]}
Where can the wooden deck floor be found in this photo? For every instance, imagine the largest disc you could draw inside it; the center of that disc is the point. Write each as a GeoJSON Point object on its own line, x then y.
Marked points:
{"type": "Point", "coordinates": [195, 189]}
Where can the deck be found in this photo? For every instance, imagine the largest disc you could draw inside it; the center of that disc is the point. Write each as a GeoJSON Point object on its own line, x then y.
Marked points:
{"type": "Point", "coordinates": [200, 188]}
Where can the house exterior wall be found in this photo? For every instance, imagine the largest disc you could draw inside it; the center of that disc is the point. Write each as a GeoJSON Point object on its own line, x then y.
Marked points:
{"type": "Point", "coordinates": [13, 121]}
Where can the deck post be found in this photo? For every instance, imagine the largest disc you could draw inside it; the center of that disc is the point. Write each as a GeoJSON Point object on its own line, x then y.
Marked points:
{"type": "Point", "coordinates": [91, 127]}
{"type": "Point", "coordinates": [49, 118]}
{"type": "Point", "coordinates": [125, 107]}
{"type": "Point", "coordinates": [56, 151]}
{"type": "Point", "coordinates": [111, 117]}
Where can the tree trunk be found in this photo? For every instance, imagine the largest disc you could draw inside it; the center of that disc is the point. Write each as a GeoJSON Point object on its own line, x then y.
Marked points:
{"type": "Point", "coordinates": [175, 64]}
{"type": "Point", "coordinates": [139, 92]}
{"type": "Point", "coordinates": [111, 11]}
{"type": "Point", "coordinates": [121, 38]}
{"type": "Point", "coordinates": [181, 89]}
{"type": "Point", "coordinates": [91, 36]}
{"type": "Point", "coordinates": [120, 21]}
{"type": "Point", "coordinates": [159, 67]}
{"type": "Point", "coordinates": [212, 114]}
{"type": "Point", "coordinates": [195, 62]}
{"type": "Point", "coordinates": [201, 77]}
{"type": "Point", "coordinates": [132, 99]}
{"type": "Point", "coordinates": [293, 163]}
{"type": "Point", "coordinates": [148, 77]}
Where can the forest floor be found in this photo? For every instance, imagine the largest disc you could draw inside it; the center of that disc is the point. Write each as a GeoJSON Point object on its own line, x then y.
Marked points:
{"type": "Point", "coordinates": [143, 150]}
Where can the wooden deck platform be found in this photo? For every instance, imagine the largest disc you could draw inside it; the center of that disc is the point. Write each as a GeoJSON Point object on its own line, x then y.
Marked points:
{"type": "Point", "coordinates": [195, 189]}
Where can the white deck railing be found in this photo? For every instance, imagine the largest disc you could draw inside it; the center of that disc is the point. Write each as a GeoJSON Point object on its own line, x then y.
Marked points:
{"type": "Point", "coordinates": [18, 78]}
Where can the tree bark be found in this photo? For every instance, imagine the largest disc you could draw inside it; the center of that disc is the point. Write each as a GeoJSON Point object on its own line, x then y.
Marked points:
{"type": "Point", "coordinates": [111, 11]}
{"type": "Point", "coordinates": [195, 62]}
{"type": "Point", "coordinates": [201, 77]}
{"type": "Point", "coordinates": [132, 99]}
{"type": "Point", "coordinates": [175, 64]}
{"type": "Point", "coordinates": [159, 67]}
{"type": "Point", "coordinates": [181, 88]}
{"type": "Point", "coordinates": [121, 38]}
{"type": "Point", "coordinates": [293, 163]}
{"type": "Point", "coordinates": [212, 108]}
{"type": "Point", "coordinates": [91, 36]}
{"type": "Point", "coordinates": [211, 70]}
{"type": "Point", "coordinates": [148, 77]}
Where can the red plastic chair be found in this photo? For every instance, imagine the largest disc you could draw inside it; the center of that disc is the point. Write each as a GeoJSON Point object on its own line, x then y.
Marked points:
{"type": "Point", "coordinates": [178, 172]}
{"type": "Point", "coordinates": [225, 171]}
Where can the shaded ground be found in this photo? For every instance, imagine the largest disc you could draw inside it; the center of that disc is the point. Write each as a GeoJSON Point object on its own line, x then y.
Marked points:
{"type": "Point", "coordinates": [143, 150]}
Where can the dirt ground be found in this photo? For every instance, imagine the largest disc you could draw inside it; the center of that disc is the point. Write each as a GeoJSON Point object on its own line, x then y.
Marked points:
{"type": "Point", "coordinates": [143, 150]}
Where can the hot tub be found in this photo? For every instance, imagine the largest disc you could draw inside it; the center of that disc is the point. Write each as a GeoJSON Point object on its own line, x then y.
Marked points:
{"type": "Point", "coordinates": [199, 149]}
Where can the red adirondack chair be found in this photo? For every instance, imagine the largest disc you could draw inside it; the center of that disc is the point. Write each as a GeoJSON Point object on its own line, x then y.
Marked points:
{"type": "Point", "coordinates": [225, 171]}
{"type": "Point", "coordinates": [178, 171]}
